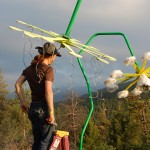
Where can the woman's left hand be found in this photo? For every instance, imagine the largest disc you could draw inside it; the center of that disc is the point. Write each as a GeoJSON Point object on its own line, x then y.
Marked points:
{"type": "Point", "coordinates": [50, 119]}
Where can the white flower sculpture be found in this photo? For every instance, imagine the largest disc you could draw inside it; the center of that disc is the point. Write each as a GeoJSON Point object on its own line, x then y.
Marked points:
{"type": "Point", "coordinates": [141, 78]}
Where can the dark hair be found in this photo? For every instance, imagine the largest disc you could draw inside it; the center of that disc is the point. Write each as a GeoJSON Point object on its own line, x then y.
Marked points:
{"type": "Point", "coordinates": [38, 59]}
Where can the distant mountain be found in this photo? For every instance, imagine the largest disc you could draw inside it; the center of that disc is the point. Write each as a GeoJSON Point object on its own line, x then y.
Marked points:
{"type": "Point", "coordinates": [61, 95]}
{"type": "Point", "coordinates": [104, 94]}
{"type": "Point", "coordinates": [58, 96]}
{"type": "Point", "coordinates": [83, 93]}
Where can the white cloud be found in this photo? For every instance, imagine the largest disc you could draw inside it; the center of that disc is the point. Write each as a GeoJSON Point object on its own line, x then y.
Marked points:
{"type": "Point", "coordinates": [127, 16]}
{"type": "Point", "coordinates": [116, 12]}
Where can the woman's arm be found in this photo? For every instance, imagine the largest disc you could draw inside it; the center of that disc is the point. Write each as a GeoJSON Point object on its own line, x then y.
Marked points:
{"type": "Point", "coordinates": [20, 94]}
{"type": "Point", "coordinates": [50, 101]}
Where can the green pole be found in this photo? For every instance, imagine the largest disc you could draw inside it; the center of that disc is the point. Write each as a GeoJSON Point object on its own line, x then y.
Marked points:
{"type": "Point", "coordinates": [73, 18]}
{"type": "Point", "coordinates": [87, 81]}
{"type": "Point", "coordinates": [91, 102]}
{"type": "Point", "coordinates": [83, 71]}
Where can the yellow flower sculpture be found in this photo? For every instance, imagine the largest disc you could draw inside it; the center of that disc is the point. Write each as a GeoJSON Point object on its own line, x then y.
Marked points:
{"type": "Point", "coordinates": [140, 78]}
{"type": "Point", "coordinates": [65, 41]}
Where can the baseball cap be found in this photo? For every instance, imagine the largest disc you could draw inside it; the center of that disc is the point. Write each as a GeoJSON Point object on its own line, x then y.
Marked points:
{"type": "Point", "coordinates": [48, 48]}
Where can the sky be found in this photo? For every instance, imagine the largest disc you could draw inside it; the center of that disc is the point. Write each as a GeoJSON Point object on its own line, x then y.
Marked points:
{"type": "Point", "coordinates": [130, 17]}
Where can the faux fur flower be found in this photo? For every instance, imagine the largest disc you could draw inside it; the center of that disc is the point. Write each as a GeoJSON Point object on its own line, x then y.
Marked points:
{"type": "Point", "coordinates": [146, 56]}
{"type": "Point", "coordinates": [135, 92]}
{"type": "Point", "coordinates": [129, 60]}
{"type": "Point", "coordinates": [143, 81]}
{"type": "Point", "coordinates": [123, 94]}
{"type": "Point", "coordinates": [109, 82]}
{"type": "Point", "coordinates": [116, 74]}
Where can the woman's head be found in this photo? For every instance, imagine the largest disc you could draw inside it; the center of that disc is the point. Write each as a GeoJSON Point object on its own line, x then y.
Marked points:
{"type": "Point", "coordinates": [48, 49]}
{"type": "Point", "coordinates": [47, 52]}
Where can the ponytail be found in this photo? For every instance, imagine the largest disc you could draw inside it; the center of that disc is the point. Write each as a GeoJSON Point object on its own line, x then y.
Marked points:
{"type": "Point", "coordinates": [38, 59]}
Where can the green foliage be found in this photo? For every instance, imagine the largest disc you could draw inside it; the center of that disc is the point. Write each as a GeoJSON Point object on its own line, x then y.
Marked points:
{"type": "Point", "coordinates": [91, 136]}
{"type": "Point", "coordinates": [15, 127]}
{"type": "Point", "coordinates": [126, 130]}
{"type": "Point", "coordinates": [115, 125]}
{"type": "Point", "coordinates": [3, 89]}
{"type": "Point", "coordinates": [70, 116]}
{"type": "Point", "coordinates": [100, 117]}
{"type": "Point", "coordinates": [93, 140]}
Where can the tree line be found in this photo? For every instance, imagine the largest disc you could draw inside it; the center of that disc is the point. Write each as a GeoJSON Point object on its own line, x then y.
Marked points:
{"type": "Point", "coordinates": [116, 124]}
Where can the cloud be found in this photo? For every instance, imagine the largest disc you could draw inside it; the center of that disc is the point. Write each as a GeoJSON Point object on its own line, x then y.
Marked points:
{"type": "Point", "coordinates": [116, 8]}
{"type": "Point", "coordinates": [116, 14]}
{"type": "Point", "coordinates": [127, 16]}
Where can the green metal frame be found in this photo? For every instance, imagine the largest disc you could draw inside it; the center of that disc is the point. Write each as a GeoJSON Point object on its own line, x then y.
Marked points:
{"type": "Point", "coordinates": [82, 68]}
{"type": "Point", "coordinates": [87, 81]}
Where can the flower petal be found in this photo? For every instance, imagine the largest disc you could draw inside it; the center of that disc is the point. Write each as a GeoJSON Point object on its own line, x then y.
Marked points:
{"type": "Point", "coordinates": [116, 74]}
{"type": "Point", "coordinates": [130, 60]}
{"type": "Point", "coordinates": [146, 56]}
{"type": "Point", "coordinates": [123, 94]}
{"type": "Point", "coordinates": [109, 82]}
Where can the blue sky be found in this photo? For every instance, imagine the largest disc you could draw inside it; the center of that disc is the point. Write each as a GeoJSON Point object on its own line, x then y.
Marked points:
{"type": "Point", "coordinates": [130, 17]}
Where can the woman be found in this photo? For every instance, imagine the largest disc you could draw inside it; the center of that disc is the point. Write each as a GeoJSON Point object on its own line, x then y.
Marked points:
{"type": "Point", "coordinates": [40, 77]}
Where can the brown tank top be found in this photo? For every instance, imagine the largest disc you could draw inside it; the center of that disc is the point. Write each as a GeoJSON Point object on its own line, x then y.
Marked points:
{"type": "Point", "coordinates": [36, 78]}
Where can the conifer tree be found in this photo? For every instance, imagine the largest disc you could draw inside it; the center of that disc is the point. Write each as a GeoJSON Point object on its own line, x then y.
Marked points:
{"type": "Point", "coordinates": [70, 116]}
{"type": "Point", "coordinates": [3, 88]}
{"type": "Point", "coordinates": [125, 131]}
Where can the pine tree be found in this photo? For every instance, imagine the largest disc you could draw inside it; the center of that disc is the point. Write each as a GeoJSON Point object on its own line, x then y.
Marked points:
{"type": "Point", "coordinates": [3, 92]}
{"type": "Point", "coordinates": [15, 127]}
{"type": "Point", "coordinates": [70, 116]}
{"type": "Point", "coordinates": [125, 131]}
{"type": "Point", "coordinates": [3, 88]}
{"type": "Point", "coordinates": [91, 139]}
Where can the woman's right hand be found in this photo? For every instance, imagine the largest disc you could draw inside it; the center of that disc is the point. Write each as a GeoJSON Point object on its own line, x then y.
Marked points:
{"type": "Point", "coordinates": [24, 107]}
